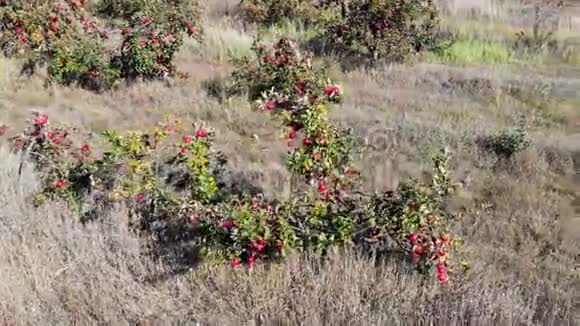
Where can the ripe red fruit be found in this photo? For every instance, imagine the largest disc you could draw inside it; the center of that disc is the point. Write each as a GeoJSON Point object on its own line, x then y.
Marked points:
{"type": "Point", "coordinates": [85, 148]}
{"type": "Point", "coordinates": [283, 59]}
{"type": "Point", "coordinates": [139, 197]}
{"type": "Point", "coordinates": [59, 184]}
{"type": "Point", "coordinates": [322, 187]}
{"type": "Point", "coordinates": [442, 278]}
{"type": "Point", "coordinates": [41, 120]}
{"type": "Point", "coordinates": [441, 268]}
{"type": "Point", "coordinates": [328, 90]}
{"type": "Point", "coordinates": [201, 133]}
{"type": "Point", "coordinates": [18, 30]}
{"type": "Point", "coordinates": [331, 90]}
{"type": "Point", "coordinates": [419, 250]}
{"type": "Point", "coordinates": [54, 27]}
{"type": "Point", "coordinates": [307, 141]}
{"type": "Point", "coordinates": [228, 225]}
{"type": "Point", "coordinates": [336, 90]}
{"type": "Point", "coordinates": [145, 20]}
{"type": "Point", "coordinates": [155, 41]}
{"type": "Point", "coordinates": [445, 238]}
{"type": "Point", "coordinates": [235, 262]}
{"type": "Point", "coordinates": [271, 106]}
{"type": "Point", "coordinates": [183, 150]}
{"type": "Point", "coordinates": [268, 58]}
{"type": "Point", "coordinates": [252, 260]}
{"type": "Point", "coordinates": [187, 139]}
{"type": "Point", "coordinates": [413, 238]}
{"type": "Point", "coordinates": [292, 134]}
{"type": "Point", "coordinates": [441, 253]}
{"type": "Point", "coordinates": [259, 245]}
{"type": "Point", "coordinates": [299, 87]}
{"type": "Point", "coordinates": [24, 39]}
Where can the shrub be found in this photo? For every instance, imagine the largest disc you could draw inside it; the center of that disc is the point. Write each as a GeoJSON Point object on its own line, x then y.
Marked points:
{"type": "Point", "coordinates": [59, 34]}
{"type": "Point", "coordinates": [508, 142]}
{"type": "Point", "coordinates": [323, 212]}
{"type": "Point", "coordinates": [170, 181]}
{"type": "Point", "coordinates": [282, 80]}
{"type": "Point", "coordinates": [69, 39]}
{"type": "Point", "coordinates": [84, 62]}
{"type": "Point", "coordinates": [123, 9]}
{"type": "Point", "coordinates": [385, 29]}
{"type": "Point", "coordinates": [36, 25]}
{"type": "Point", "coordinates": [127, 169]}
{"type": "Point", "coordinates": [280, 68]}
{"type": "Point", "coordinates": [154, 36]}
{"type": "Point", "coordinates": [269, 12]}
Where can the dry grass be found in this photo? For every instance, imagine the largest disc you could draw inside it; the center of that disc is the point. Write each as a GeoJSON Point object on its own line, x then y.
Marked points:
{"type": "Point", "coordinates": [521, 219]}
{"type": "Point", "coordinates": [55, 271]}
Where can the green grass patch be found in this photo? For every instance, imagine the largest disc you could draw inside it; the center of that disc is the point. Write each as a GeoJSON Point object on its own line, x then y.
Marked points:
{"type": "Point", "coordinates": [482, 52]}
{"type": "Point", "coordinates": [469, 52]}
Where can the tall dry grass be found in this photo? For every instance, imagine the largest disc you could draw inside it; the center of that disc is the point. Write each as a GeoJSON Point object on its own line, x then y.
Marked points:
{"type": "Point", "coordinates": [55, 271]}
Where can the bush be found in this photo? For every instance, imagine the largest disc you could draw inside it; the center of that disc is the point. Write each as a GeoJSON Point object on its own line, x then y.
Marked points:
{"type": "Point", "coordinates": [270, 12]}
{"type": "Point", "coordinates": [84, 62]}
{"type": "Point", "coordinates": [385, 29]}
{"type": "Point", "coordinates": [170, 180]}
{"type": "Point", "coordinates": [36, 26]}
{"type": "Point", "coordinates": [154, 36]}
{"type": "Point", "coordinates": [506, 143]}
{"type": "Point", "coordinates": [69, 39]}
{"type": "Point", "coordinates": [281, 68]}
{"type": "Point", "coordinates": [127, 169]}
{"type": "Point", "coordinates": [123, 9]}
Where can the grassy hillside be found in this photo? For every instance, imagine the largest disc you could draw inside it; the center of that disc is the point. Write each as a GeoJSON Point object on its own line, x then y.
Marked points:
{"type": "Point", "coordinates": [520, 216]}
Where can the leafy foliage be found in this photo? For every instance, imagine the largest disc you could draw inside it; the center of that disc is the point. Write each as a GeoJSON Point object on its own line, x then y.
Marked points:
{"type": "Point", "coordinates": [84, 62]}
{"type": "Point", "coordinates": [269, 12]}
{"type": "Point", "coordinates": [66, 36]}
{"type": "Point", "coordinates": [506, 143]}
{"type": "Point", "coordinates": [381, 29]}
{"type": "Point", "coordinates": [167, 176]}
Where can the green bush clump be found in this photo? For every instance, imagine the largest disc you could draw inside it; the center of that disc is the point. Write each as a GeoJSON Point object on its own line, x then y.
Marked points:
{"type": "Point", "coordinates": [270, 12]}
{"type": "Point", "coordinates": [389, 30]}
{"type": "Point", "coordinates": [506, 143]}
{"type": "Point", "coordinates": [123, 9]}
{"type": "Point", "coordinates": [83, 62]}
